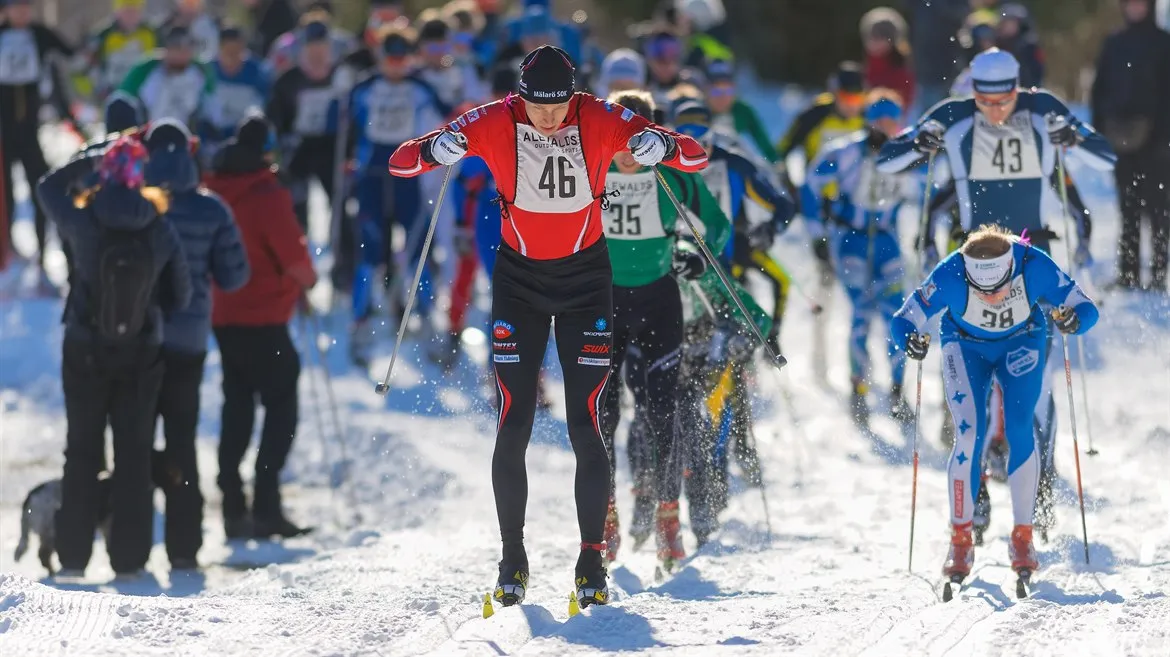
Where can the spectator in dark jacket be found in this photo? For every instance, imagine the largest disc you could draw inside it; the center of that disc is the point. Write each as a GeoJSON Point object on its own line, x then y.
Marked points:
{"type": "Point", "coordinates": [1131, 107]}
{"type": "Point", "coordinates": [214, 252]}
{"type": "Point", "coordinates": [934, 26]}
{"type": "Point", "coordinates": [270, 19]}
{"type": "Point", "coordinates": [251, 327]}
{"type": "Point", "coordinates": [128, 271]}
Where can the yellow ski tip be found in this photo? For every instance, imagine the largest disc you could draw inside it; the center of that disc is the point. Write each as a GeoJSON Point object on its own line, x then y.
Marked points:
{"type": "Point", "coordinates": [488, 610]}
{"type": "Point", "coordinates": [574, 608]}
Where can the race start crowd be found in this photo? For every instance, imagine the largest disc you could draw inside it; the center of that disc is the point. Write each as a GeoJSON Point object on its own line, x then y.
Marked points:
{"type": "Point", "coordinates": [610, 192]}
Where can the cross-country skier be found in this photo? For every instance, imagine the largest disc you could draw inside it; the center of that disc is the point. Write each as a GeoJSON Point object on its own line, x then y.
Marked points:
{"type": "Point", "coordinates": [857, 232]}
{"type": "Point", "coordinates": [241, 86]}
{"type": "Point", "coordinates": [1001, 148]}
{"type": "Point", "coordinates": [192, 15]}
{"type": "Point", "coordinates": [991, 291]}
{"type": "Point", "coordinates": [386, 110]}
{"type": "Point", "coordinates": [118, 46]}
{"type": "Point", "coordinates": [549, 149]}
{"type": "Point", "coordinates": [25, 46]}
{"type": "Point", "coordinates": [171, 84]}
{"type": "Point", "coordinates": [641, 223]}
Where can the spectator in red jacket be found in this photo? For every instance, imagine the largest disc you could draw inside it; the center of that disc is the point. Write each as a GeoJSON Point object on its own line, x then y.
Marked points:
{"type": "Point", "coordinates": [887, 53]}
{"type": "Point", "coordinates": [251, 328]}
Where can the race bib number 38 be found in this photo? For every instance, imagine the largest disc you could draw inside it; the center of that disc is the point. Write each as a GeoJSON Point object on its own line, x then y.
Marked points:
{"type": "Point", "coordinates": [1005, 152]}
{"type": "Point", "coordinates": [633, 212]}
{"type": "Point", "coordinates": [1003, 316]}
{"type": "Point", "coordinates": [550, 171]}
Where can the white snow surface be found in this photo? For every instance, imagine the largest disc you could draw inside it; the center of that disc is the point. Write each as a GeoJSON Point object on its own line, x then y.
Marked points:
{"type": "Point", "coordinates": [404, 553]}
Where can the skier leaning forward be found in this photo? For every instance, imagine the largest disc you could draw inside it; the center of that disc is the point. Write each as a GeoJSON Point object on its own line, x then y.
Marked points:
{"type": "Point", "coordinates": [549, 149]}
{"type": "Point", "coordinates": [991, 290]}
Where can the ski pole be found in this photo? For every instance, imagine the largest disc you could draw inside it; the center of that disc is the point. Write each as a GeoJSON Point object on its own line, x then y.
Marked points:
{"type": "Point", "coordinates": [924, 220]}
{"type": "Point", "coordinates": [316, 401]}
{"type": "Point", "coordinates": [1069, 229]}
{"type": "Point", "coordinates": [383, 386]}
{"type": "Point", "coordinates": [778, 360]}
{"type": "Point", "coordinates": [914, 477]}
{"type": "Point", "coordinates": [1072, 412]}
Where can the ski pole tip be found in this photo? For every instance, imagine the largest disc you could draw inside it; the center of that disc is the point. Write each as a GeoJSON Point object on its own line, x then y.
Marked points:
{"type": "Point", "coordinates": [381, 388]}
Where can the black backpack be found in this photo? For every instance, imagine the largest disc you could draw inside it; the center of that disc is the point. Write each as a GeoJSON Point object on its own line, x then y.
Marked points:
{"type": "Point", "coordinates": [124, 289]}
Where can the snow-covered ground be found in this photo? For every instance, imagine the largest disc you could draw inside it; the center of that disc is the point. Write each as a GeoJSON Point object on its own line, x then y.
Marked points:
{"type": "Point", "coordinates": [405, 551]}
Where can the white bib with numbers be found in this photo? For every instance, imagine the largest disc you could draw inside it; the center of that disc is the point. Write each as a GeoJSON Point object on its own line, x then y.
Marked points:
{"type": "Point", "coordinates": [876, 191]}
{"type": "Point", "coordinates": [715, 176]}
{"type": "Point", "coordinates": [391, 113]}
{"type": "Point", "coordinates": [633, 213]}
{"type": "Point", "coordinates": [234, 102]}
{"type": "Point", "coordinates": [1004, 152]}
{"type": "Point", "coordinates": [1002, 317]}
{"type": "Point", "coordinates": [178, 95]}
{"type": "Point", "coordinates": [551, 175]}
{"type": "Point", "coordinates": [313, 111]}
{"type": "Point", "coordinates": [19, 61]}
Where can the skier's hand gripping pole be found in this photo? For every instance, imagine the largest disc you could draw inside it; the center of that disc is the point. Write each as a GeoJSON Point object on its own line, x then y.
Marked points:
{"type": "Point", "coordinates": [1070, 229]}
{"type": "Point", "coordinates": [778, 360]}
{"type": "Point", "coordinates": [383, 386]}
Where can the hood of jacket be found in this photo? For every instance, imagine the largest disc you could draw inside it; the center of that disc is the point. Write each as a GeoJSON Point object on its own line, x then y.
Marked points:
{"type": "Point", "coordinates": [174, 170]}
{"type": "Point", "coordinates": [122, 208]}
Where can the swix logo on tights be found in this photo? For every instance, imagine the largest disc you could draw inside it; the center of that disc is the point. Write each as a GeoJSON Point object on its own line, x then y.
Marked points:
{"type": "Point", "coordinates": [595, 349]}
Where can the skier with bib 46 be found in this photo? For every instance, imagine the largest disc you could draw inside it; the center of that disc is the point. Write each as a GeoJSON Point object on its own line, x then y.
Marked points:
{"type": "Point", "coordinates": [993, 326]}
{"type": "Point", "coordinates": [549, 149]}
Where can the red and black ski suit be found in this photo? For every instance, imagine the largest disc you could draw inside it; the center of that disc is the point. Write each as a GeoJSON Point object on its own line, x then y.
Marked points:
{"type": "Point", "coordinates": [553, 263]}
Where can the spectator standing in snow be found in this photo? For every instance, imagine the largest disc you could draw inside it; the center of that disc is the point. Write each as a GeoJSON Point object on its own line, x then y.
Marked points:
{"type": "Point", "coordinates": [251, 328]}
{"type": "Point", "coordinates": [887, 53]}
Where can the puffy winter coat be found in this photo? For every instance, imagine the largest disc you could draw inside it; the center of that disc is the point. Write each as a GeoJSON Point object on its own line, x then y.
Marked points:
{"type": "Point", "coordinates": [277, 249]}
{"type": "Point", "coordinates": [210, 241]}
{"type": "Point", "coordinates": [117, 208]}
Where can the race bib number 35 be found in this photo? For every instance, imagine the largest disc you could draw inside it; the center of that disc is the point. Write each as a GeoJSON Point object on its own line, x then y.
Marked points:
{"type": "Point", "coordinates": [633, 212]}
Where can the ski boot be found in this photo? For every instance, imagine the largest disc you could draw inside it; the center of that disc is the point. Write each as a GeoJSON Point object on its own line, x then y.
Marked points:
{"type": "Point", "coordinates": [982, 516]}
{"type": "Point", "coordinates": [669, 538]}
{"type": "Point", "coordinates": [959, 559]}
{"type": "Point", "coordinates": [264, 527]}
{"type": "Point", "coordinates": [1045, 515]}
{"type": "Point", "coordinates": [1023, 556]}
{"type": "Point", "coordinates": [858, 407]}
{"type": "Point", "coordinates": [642, 527]}
{"type": "Point", "coordinates": [591, 586]}
{"type": "Point", "coordinates": [613, 532]}
{"type": "Point", "coordinates": [900, 409]}
{"type": "Point", "coordinates": [512, 583]}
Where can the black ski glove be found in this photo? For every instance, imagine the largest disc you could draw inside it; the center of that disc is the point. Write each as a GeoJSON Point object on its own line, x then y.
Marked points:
{"type": "Point", "coordinates": [929, 138]}
{"type": "Point", "coordinates": [688, 265]}
{"type": "Point", "coordinates": [821, 249]}
{"type": "Point", "coordinates": [1066, 319]}
{"type": "Point", "coordinates": [917, 346]}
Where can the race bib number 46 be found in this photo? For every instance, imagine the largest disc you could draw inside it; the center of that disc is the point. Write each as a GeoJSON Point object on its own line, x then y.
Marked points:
{"type": "Point", "coordinates": [551, 175]}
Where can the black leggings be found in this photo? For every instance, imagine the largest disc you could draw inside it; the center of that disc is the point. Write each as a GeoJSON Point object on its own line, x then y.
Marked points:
{"type": "Point", "coordinates": [21, 145]}
{"type": "Point", "coordinates": [526, 296]}
{"type": "Point", "coordinates": [650, 320]}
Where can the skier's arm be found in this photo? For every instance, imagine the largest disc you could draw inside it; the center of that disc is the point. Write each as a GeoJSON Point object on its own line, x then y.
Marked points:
{"type": "Point", "coordinates": [56, 190]}
{"type": "Point", "coordinates": [136, 77]}
{"type": "Point", "coordinates": [52, 42]}
{"type": "Point", "coordinates": [692, 192]}
{"type": "Point", "coordinates": [802, 127]}
{"type": "Point", "coordinates": [749, 119]}
{"type": "Point", "coordinates": [413, 158]}
{"type": "Point", "coordinates": [760, 190]}
{"type": "Point", "coordinates": [1092, 149]}
{"type": "Point", "coordinates": [229, 260]}
{"type": "Point", "coordinates": [821, 174]}
{"type": "Point", "coordinates": [925, 302]}
{"type": "Point", "coordinates": [620, 124]}
{"type": "Point", "coordinates": [1053, 285]}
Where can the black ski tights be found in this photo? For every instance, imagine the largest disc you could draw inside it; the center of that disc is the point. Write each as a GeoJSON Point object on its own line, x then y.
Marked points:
{"type": "Point", "coordinates": [527, 295]}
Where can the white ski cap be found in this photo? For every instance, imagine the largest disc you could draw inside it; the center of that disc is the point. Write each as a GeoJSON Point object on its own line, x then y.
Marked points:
{"type": "Point", "coordinates": [621, 64]}
{"type": "Point", "coordinates": [989, 274]}
{"type": "Point", "coordinates": [995, 71]}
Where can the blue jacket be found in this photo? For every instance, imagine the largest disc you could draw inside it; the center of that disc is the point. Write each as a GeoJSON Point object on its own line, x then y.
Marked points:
{"type": "Point", "coordinates": [1036, 279]}
{"type": "Point", "coordinates": [117, 208]}
{"type": "Point", "coordinates": [234, 96]}
{"type": "Point", "coordinates": [210, 240]}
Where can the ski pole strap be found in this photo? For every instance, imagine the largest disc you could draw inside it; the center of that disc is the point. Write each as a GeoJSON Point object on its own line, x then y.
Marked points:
{"type": "Point", "coordinates": [596, 547]}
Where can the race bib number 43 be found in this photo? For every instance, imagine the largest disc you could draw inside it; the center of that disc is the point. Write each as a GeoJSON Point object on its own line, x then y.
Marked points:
{"type": "Point", "coordinates": [1005, 152]}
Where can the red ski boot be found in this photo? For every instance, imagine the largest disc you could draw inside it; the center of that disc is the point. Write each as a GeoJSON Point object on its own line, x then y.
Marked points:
{"type": "Point", "coordinates": [1022, 552]}
{"type": "Point", "coordinates": [670, 545]}
{"type": "Point", "coordinates": [959, 559]}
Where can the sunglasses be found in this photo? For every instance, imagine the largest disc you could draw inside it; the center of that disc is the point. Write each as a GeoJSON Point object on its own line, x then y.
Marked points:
{"type": "Point", "coordinates": [721, 91]}
{"type": "Point", "coordinates": [983, 101]}
{"type": "Point", "coordinates": [664, 49]}
{"type": "Point", "coordinates": [851, 98]}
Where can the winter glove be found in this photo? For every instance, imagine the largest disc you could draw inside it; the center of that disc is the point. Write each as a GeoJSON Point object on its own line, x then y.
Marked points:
{"type": "Point", "coordinates": [1066, 320]}
{"type": "Point", "coordinates": [917, 346]}
{"type": "Point", "coordinates": [761, 236]}
{"type": "Point", "coordinates": [650, 147]}
{"type": "Point", "coordinates": [1061, 132]}
{"type": "Point", "coordinates": [821, 249]}
{"type": "Point", "coordinates": [929, 139]}
{"type": "Point", "coordinates": [688, 265]}
{"type": "Point", "coordinates": [446, 148]}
